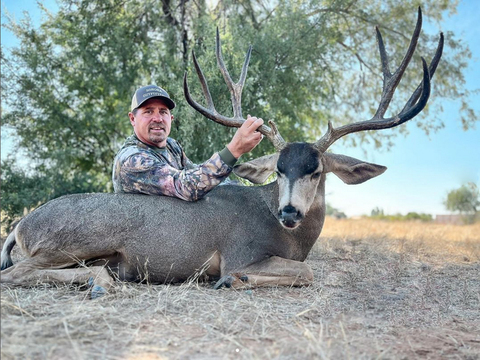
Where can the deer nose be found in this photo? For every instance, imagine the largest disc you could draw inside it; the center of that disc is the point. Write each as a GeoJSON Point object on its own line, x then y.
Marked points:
{"type": "Point", "coordinates": [290, 216]}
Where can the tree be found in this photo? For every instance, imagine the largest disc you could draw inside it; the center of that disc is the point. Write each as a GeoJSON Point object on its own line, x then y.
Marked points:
{"type": "Point", "coordinates": [465, 199]}
{"type": "Point", "coordinates": [70, 80]}
{"type": "Point", "coordinates": [377, 212]}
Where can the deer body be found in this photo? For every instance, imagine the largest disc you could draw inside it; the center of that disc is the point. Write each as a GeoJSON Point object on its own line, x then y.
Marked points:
{"type": "Point", "coordinates": [245, 235]}
{"type": "Point", "coordinates": [235, 232]}
{"type": "Point", "coordinates": [135, 236]}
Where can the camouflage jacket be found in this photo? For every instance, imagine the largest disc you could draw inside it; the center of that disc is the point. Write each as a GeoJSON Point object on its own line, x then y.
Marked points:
{"type": "Point", "coordinates": [140, 168]}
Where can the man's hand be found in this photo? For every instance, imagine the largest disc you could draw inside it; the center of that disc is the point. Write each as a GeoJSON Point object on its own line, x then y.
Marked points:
{"type": "Point", "coordinates": [246, 137]}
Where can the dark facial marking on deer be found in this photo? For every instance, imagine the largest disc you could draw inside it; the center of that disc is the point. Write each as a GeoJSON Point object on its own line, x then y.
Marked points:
{"type": "Point", "coordinates": [297, 160]}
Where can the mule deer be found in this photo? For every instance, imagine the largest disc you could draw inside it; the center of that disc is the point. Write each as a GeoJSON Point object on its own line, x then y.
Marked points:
{"type": "Point", "coordinates": [246, 236]}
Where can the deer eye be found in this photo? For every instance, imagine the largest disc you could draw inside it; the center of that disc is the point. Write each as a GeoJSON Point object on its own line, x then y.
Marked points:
{"type": "Point", "coordinates": [279, 174]}
{"type": "Point", "coordinates": [316, 175]}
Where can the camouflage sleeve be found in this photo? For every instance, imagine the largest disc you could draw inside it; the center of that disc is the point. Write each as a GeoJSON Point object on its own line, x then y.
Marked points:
{"type": "Point", "coordinates": [142, 173]}
{"type": "Point", "coordinates": [187, 163]}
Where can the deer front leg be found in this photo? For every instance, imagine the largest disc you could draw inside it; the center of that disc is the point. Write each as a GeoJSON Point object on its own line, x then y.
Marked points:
{"type": "Point", "coordinates": [30, 272]}
{"type": "Point", "coordinates": [274, 271]}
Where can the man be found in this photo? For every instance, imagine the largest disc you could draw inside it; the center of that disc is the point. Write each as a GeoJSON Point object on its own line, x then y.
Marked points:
{"type": "Point", "coordinates": [152, 163]}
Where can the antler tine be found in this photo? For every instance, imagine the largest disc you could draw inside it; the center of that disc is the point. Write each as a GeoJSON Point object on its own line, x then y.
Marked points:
{"type": "Point", "coordinates": [376, 123]}
{"type": "Point", "coordinates": [210, 113]}
{"type": "Point", "coordinates": [391, 81]}
{"type": "Point", "coordinates": [414, 105]}
{"type": "Point", "coordinates": [203, 82]}
{"type": "Point", "coordinates": [410, 112]}
{"type": "Point", "coordinates": [431, 69]}
{"type": "Point", "coordinates": [236, 91]}
{"type": "Point", "coordinates": [274, 136]}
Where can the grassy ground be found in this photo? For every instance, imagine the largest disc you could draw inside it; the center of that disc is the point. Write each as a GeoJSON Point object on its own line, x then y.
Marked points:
{"type": "Point", "coordinates": [382, 291]}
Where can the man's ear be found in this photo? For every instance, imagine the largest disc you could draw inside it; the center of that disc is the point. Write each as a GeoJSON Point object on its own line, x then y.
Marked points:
{"type": "Point", "coordinates": [258, 170]}
{"type": "Point", "coordinates": [351, 170]}
{"type": "Point", "coordinates": [132, 118]}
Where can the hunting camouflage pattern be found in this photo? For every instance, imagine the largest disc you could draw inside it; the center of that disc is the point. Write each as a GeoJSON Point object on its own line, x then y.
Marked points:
{"type": "Point", "coordinates": [144, 169]}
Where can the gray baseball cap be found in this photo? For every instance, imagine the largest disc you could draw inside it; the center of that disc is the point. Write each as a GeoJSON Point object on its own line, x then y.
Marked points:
{"type": "Point", "coordinates": [150, 91]}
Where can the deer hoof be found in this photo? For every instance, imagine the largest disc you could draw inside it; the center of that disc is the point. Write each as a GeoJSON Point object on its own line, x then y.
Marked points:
{"type": "Point", "coordinates": [97, 291]}
{"type": "Point", "coordinates": [226, 281]}
{"type": "Point", "coordinates": [6, 263]}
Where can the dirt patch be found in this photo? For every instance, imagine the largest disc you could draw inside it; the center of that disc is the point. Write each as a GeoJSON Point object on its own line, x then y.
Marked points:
{"type": "Point", "coordinates": [380, 296]}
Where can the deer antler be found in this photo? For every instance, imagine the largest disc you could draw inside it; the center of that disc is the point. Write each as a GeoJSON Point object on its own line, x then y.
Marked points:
{"type": "Point", "coordinates": [412, 108]}
{"type": "Point", "coordinates": [236, 91]}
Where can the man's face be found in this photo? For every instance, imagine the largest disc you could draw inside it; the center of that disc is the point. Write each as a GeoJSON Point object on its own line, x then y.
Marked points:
{"type": "Point", "coordinates": [152, 122]}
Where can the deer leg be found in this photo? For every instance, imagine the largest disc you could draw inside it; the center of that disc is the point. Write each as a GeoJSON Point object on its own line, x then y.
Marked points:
{"type": "Point", "coordinates": [274, 271]}
{"type": "Point", "coordinates": [28, 272]}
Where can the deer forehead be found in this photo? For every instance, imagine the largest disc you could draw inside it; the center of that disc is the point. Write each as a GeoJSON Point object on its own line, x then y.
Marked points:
{"type": "Point", "coordinates": [299, 159]}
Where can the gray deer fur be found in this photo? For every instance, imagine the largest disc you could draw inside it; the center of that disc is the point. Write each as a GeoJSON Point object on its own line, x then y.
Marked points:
{"type": "Point", "coordinates": [163, 239]}
{"type": "Point", "coordinates": [246, 236]}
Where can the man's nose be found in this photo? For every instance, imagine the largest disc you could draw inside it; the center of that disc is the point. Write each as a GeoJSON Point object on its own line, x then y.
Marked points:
{"type": "Point", "coordinates": [156, 117]}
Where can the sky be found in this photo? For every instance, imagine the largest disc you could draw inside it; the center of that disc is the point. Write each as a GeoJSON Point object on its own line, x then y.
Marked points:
{"type": "Point", "coordinates": [421, 169]}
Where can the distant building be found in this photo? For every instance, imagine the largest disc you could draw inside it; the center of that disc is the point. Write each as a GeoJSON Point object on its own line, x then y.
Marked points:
{"type": "Point", "coordinates": [450, 219]}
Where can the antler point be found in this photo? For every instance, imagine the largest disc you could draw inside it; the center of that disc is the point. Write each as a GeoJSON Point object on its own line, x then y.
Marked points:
{"type": "Point", "coordinates": [273, 126]}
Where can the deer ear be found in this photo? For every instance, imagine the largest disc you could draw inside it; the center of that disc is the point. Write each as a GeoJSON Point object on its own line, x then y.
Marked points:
{"type": "Point", "coordinates": [258, 170]}
{"type": "Point", "coordinates": [350, 170]}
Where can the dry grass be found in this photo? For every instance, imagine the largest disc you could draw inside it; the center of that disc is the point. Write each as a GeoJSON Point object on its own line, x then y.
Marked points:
{"type": "Point", "coordinates": [381, 291]}
{"type": "Point", "coordinates": [445, 243]}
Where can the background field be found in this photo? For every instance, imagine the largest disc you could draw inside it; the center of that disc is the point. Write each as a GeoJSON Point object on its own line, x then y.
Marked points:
{"type": "Point", "coordinates": [382, 290]}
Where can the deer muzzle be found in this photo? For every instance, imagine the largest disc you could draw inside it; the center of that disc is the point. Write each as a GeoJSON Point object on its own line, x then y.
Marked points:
{"type": "Point", "coordinates": [290, 217]}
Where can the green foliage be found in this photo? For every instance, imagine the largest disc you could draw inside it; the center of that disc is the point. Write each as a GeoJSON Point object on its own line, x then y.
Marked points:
{"type": "Point", "coordinates": [465, 199]}
{"type": "Point", "coordinates": [71, 80]}
{"type": "Point", "coordinates": [411, 216]}
{"type": "Point", "coordinates": [331, 211]}
{"type": "Point", "coordinates": [415, 216]}
{"type": "Point", "coordinates": [23, 192]}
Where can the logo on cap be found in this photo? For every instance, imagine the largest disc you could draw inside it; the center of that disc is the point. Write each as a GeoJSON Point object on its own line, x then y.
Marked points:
{"type": "Point", "coordinates": [150, 91]}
